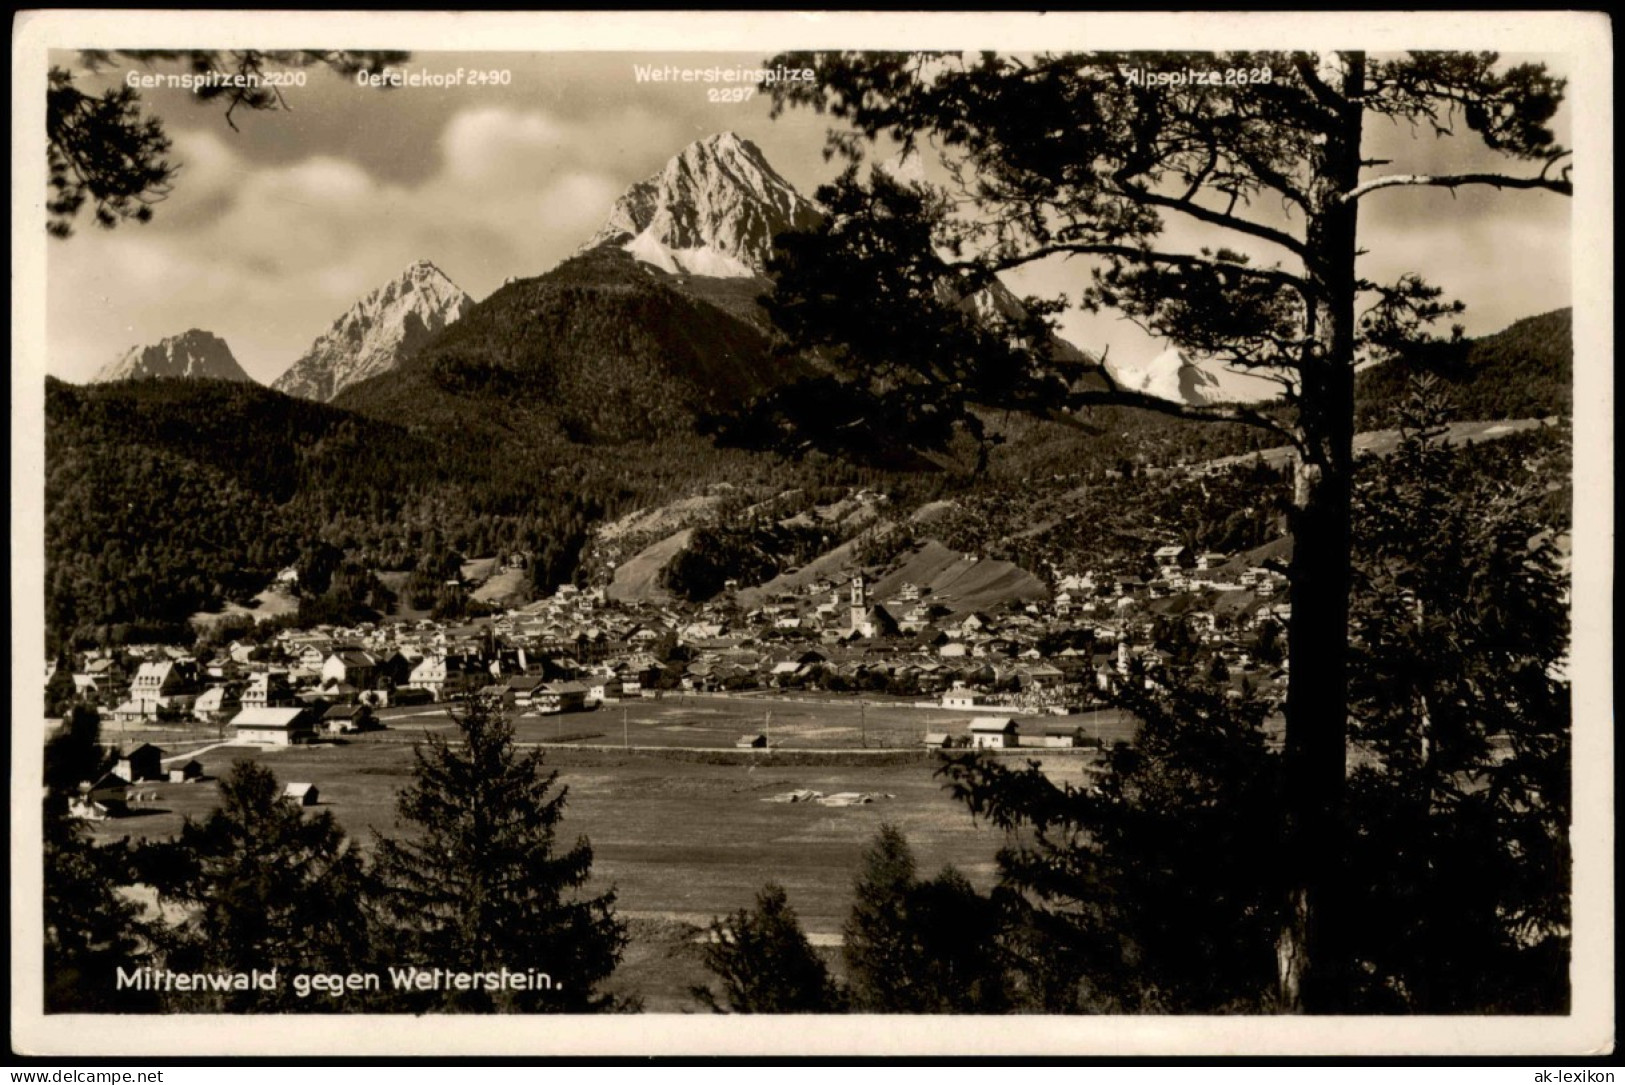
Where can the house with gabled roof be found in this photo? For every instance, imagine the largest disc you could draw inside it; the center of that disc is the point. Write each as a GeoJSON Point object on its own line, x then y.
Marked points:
{"type": "Point", "coordinates": [994, 733]}
{"type": "Point", "coordinates": [274, 726]}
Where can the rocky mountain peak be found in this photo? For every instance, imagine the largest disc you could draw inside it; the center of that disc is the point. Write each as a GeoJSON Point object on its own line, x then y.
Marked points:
{"type": "Point", "coordinates": [378, 333]}
{"type": "Point", "coordinates": [193, 353]}
{"type": "Point", "coordinates": [714, 210]}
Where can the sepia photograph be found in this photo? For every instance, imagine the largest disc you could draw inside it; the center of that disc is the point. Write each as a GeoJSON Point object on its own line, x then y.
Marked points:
{"type": "Point", "coordinates": [951, 534]}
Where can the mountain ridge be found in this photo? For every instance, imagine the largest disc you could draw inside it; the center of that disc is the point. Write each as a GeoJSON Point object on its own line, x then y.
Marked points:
{"type": "Point", "coordinates": [193, 354]}
{"type": "Point", "coordinates": [375, 335]}
{"type": "Point", "coordinates": [712, 210]}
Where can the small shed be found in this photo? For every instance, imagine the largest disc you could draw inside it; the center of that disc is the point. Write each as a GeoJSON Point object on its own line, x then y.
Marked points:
{"type": "Point", "coordinates": [303, 794]}
{"type": "Point", "coordinates": [936, 740]}
{"type": "Point", "coordinates": [994, 733]}
{"type": "Point", "coordinates": [1063, 738]}
{"type": "Point", "coordinates": [189, 771]}
{"type": "Point", "coordinates": [751, 742]}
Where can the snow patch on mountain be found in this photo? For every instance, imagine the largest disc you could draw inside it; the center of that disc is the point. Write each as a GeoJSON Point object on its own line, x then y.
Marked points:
{"type": "Point", "coordinates": [1170, 375]}
{"type": "Point", "coordinates": [196, 353]}
{"type": "Point", "coordinates": [378, 333]}
{"type": "Point", "coordinates": [700, 261]}
{"type": "Point", "coordinates": [712, 210]}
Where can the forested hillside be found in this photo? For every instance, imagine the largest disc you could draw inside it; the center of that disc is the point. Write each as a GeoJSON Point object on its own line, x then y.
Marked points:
{"type": "Point", "coordinates": [575, 397]}
{"type": "Point", "coordinates": [600, 350]}
{"type": "Point", "coordinates": [1523, 371]}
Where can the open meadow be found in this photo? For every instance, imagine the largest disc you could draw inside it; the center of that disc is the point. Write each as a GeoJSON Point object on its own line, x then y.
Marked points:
{"type": "Point", "coordinates": [682, 825]}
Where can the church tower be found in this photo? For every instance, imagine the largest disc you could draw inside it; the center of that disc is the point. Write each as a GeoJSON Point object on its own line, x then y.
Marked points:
{"type": "Point", "coordinates": [860, 601]}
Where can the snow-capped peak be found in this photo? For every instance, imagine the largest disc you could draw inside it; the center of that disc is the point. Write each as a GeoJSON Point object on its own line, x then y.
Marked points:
{"type": "Point", "coordinates": [1170, 375]}
{"type": "Point", "coordinates": [712, 210]}
{"type": "Point", "coordinates": [378, 333]}
{"type": "Point", "coordinates": [195, 353]}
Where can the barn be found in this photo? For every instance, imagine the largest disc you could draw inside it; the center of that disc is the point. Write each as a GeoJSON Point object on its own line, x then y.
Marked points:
{"type": "Point", "coordinates": [142, 763]}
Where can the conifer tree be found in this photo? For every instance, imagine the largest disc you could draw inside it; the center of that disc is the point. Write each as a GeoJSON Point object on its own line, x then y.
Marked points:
{"type": "Point", "coordinates": [477, 880]}
{"type": "Point", "coordinates": [265, 885]}
{"type": "Point", "coordinates": [921, 947]}
{"type": "Point", "coordinates": [765, 962]}
{"type": "Point", "coordinates": [1075, 156]}
{"type": "Point", "coordinates": [1462, 717]}
{"type": "Point", "coordinates": [876, 943]}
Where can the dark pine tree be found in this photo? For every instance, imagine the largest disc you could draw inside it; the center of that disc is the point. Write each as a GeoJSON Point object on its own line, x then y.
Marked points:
{"type": "Point", "coordinates": [264, 885]}
{"type": "Point", "coordinates": [477, 880]}
{"type": "Point", "coordinates": [91, 930]}
{"type": "Point", "coordinates": [765, 963]}
{"type": "Point", "coordinates": [921, 947]}
{"type": "Point", "coordinates": [1070, 156]}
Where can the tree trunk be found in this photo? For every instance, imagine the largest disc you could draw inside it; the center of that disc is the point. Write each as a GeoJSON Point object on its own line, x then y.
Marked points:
{"type": "Point", "coordinates": [1312, 950]}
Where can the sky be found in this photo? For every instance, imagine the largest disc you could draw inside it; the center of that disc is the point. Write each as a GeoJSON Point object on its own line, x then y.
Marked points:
{"type": "Point", "coordinates": [274, 230]}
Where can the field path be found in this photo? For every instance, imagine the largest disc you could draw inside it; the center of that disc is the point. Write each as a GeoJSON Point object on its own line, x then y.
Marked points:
{"type": "Point", "coordinates": [207, 749]}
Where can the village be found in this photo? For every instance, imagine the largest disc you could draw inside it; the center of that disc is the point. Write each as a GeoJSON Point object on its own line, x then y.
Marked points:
{"type": "Point", "coordinates": [1013, 675]}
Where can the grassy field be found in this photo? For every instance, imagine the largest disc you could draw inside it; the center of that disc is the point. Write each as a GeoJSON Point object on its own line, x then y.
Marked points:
{"type": "Point", "coordinates": [791, 721]}
{"type": "Point", "coordinates": [681, 840]}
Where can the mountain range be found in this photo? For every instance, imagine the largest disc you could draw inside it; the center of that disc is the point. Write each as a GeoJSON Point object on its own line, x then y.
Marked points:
{"type": "Point", "coordinates": [703, 228]}
{"type": "Point", "coordinates": [423, 420]}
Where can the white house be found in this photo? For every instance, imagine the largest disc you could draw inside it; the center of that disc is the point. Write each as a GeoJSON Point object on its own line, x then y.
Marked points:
{"type": "Point", "coordinates": [994, 733]}
{"type": "Point", "coordinates": [269, 689]}
{"type": "Point", "coordinates": [274, 726]}
{"type": "Point", "coordinates": [164, 684]}
{"type": "Point", "coordinates": [442, 676]}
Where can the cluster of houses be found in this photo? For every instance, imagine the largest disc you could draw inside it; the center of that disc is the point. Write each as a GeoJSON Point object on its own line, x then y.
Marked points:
{"type": "Point", "coordinates": [125, 785]}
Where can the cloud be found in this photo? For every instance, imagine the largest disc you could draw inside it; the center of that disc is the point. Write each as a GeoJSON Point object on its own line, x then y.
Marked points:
{"type": "Point", "coordinates": [267, 257]}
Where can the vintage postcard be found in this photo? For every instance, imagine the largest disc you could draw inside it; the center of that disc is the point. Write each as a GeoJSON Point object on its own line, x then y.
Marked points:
{"type": "Point", "coordinates": [1065, 534]}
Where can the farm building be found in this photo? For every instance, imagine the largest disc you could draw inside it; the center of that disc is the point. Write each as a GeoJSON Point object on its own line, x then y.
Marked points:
{"type": "Point", "coordinates": [303, 794]}
{"type": "Point", "coordinates": [752, 742]}
{"type": "Point", "coordinates": [107, 797]}
{"type": "Point", "coordinates": [274, 726]}
{"type": "Point", "coordinates": [1066, 738]}
{"type": "Point", "coordinates": [937, 740]}
{"type": "Point", "coordinates": [523, 687]}
{"type": "Point", "coordinates": [142, 763]}
{"type": "Point", "coordinates": [189, 771]}
{"type": "Point", "coordinates": [994, 733]}
{"type": "Point", "coordinates": [344, 719]}
{"type": "Point", "coordinates": [604, 689]}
